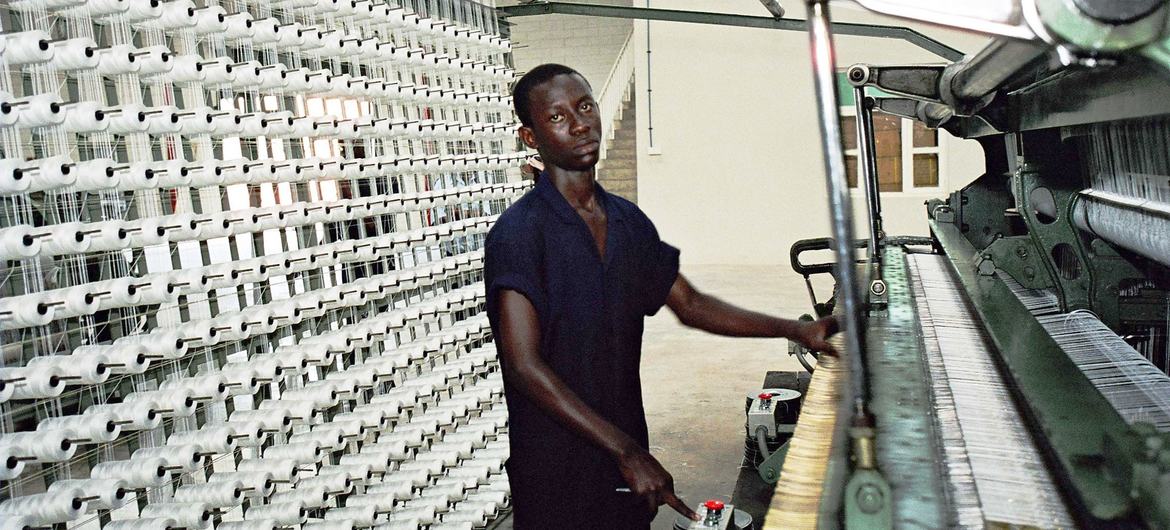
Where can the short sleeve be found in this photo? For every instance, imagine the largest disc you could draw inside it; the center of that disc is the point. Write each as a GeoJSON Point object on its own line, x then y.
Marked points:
{"type": "Point", "coordinates": [661, 271]}
{"type": "Point", "coordinates": [512, 261]}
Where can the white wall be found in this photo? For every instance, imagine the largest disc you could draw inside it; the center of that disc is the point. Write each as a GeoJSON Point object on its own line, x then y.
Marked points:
{"type": "Point", "coordinates": [739, 177]}
{"type": "Point", "coordinates": [589, 45]}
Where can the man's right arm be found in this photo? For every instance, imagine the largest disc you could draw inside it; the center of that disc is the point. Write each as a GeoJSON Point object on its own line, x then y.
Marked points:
{"type": "Point", "coordinates": [519, 349]}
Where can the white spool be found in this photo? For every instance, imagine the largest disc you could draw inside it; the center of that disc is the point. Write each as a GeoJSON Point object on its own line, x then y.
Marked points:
{"type": "Point", "coordinates": [251, 524]}
{"type": "Point", "coordinates": [238, 26]}
{"type": "Point", "coordinates": [177, 14]}
{"type": "Point", "coordinates": [18, 242]}
{"type": "Point", "coordinates": [266, 31]}
{"type": "Point", "coordinates": [126, 119]}
{"type": "Point", "coordinates": [164, 523]}
{"type": "Point", "coordinates": [283, 514]}
{"type": "Point", "coordinates": [298, 80]}
{"type": "Point", "coordinates": [260, 483]}
{"type": "Point", "coordinates": [303, 453]}
{"type": "Point", "coordinates": [142, 10]}
{"type": "Point", "coordinates": [218, 71]}
{"type": "Point", "coordinates": [174, 402]}
{"type": "Point", "coordinates": [119, 59]}
{"type": "Point", "coordinates": [247, 74]}
{"type": "Point", "coordinates": [154, 60]}
{"type": "Point", "coordinates": [216, 494]}
{"type": "Point", "coordinates": [106, 236]}
{"type": "Point", "coordinates": [206, 173]}
{"type": "Point", "coordinates": [156, 289]}
{"type": "Point", "coordinates": [281, 469]}
{"type": "Point", "coordinates": [179, 226]}
{"type": "Point", "coordinates": [88, 370]}
{"type": "Point", "coordinates": [103, 8]}
{"type": "Point", "coordinates": [187, 69]}
{"type": "Point", "coordinates": [110, 494]}
{"type": "Point", "coordinates": [196, 121]}
{"type": "Point", "coordinates": [209, 387]}
{"type": "Point", "coordinates": [273, 77]}
{"type": "Point", "coordinates": [208, 440]}
{"type": "Point", "coordinates": [32, 384]}
{"type": "Point", "coordinates": [10, 468]}
{"type": "Point", "coordinates": [50, 173]}
{"type": "Point", "coordinates": [210, 20]}
{"type": "Point", "coordinates": [64, 238]}
{"type": "Point", "coordinates": [87, 428]}
{"type": "Point", "coordinates": [58, 506]}
{"type": "Point", "coordinates": [189, 281]}
{"type": "Point", "coordinates": [51, 445]}
{"type": "Point", "coordinates": [192, 516]}
{"type": "Point", "coordinates": [40, 110]}
{"type": "Point", "coordinates": [133, 416]}
{"type": "Point", "coordinates": [96, 174]}
{"type": "Point", "coordinates": [247, 433]}
{"type": "Point", "coordinates": [75, 54]}
{"type": "Point", "coordinates": [178, 457]}
{"type": "Point", "coordinates": [162, 120]}
{"type": "Point", "coordinates": [272, 420]}
{"type": "Point", "coordinates": [27, 47]}
{"type": "Point", "coordinates": [13, 179]}
{"type": "Point", "coordinates": [350, 516]}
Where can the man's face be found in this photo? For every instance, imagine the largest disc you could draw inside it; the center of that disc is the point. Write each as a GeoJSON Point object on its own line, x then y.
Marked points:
{"type": "Point", "coordinates": [566, 126]}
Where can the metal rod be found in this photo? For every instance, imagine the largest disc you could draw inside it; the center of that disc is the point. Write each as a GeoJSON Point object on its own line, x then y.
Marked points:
{"type": "Point", "coordinates": [724, 19]}
{"type": "Point", "coordinates": [840, 209]}
{"type": "Point", "coordinates": [867, 167]}
{"type": "Point", "coordinates": [983, 73]}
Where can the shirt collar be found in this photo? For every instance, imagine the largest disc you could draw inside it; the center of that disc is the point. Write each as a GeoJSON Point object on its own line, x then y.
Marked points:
{"type": "Point", "coordinates": [560, 205]}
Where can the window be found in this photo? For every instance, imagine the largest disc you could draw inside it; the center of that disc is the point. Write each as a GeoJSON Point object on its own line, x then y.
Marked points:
{"type": "Point", "coordinates": [909, 154]}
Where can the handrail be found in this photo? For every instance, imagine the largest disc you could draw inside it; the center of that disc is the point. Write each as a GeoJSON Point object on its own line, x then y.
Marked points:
{"type": "Point", "coordinates": [614, 92]}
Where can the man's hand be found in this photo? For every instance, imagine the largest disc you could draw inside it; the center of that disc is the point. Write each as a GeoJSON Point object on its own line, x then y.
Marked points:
{"type": "Point", "coordinates": [650, 482]}
{"type": "Point", "coordinates": [813, 335]}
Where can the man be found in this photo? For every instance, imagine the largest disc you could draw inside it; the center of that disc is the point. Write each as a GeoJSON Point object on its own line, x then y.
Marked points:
{"type": "Point", "coordinates": [571, 272]}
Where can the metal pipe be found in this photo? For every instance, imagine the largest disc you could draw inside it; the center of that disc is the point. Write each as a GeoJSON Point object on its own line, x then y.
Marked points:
{"type": "Point", "coordinates": [762, 442]}
{"type": "Point", "coordinates": [976, 76]}
{"type": "Point", "coordinates": [1113, 218]}
{"type": "Point", "coordinates": [840, 209]}
{"type": "Point", "coordinates": [867, 167]}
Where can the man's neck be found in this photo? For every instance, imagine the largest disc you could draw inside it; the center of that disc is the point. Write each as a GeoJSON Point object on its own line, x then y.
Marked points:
{"type": "Point", "coordinates": [576, 186]}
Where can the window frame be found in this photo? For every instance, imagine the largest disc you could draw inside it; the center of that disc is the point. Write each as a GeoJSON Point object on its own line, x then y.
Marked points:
{"type": "Point", "coordinates": [908, 152]}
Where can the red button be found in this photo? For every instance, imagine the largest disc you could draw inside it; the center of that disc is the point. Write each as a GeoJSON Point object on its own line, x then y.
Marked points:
{"type": "Point", "coordinates": [766, 395]}
{"type": "Point", "coordinates": [713, 505]}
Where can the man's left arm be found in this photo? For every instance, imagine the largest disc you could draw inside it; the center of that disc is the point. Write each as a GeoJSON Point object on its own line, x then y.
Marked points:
{"type": "Point", "coordinates": [705, 312]}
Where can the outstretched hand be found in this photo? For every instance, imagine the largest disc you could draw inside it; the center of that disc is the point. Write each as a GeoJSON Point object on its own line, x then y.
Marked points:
{"type": "Point", "coordinates": [651, 482]}
{"type": "Point", "coordinates": [814, 335]}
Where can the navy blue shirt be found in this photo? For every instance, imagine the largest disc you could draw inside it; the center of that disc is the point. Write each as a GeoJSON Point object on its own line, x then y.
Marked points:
{"type": "Point", "coordinates": [591, 311]}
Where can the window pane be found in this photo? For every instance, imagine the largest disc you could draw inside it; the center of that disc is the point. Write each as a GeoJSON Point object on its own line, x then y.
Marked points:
{"type": "Point", "coordinates": [887, 131]}
{"type": "Point", "coordinates": [851, 170]}
{"type": "Point", "coordinates": [849, 131]}
{"type": "Point", "coordinates": [925, 170]}
{"type": "Point", "coordinates": [924, 136]}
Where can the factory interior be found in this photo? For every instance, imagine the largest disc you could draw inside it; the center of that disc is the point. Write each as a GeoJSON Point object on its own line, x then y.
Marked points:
{"type": "Point", "coordinates": [244, 256]}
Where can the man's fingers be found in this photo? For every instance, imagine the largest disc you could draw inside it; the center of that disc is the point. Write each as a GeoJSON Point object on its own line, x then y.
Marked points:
{"type": "Point", "coordinates": [679, 506]}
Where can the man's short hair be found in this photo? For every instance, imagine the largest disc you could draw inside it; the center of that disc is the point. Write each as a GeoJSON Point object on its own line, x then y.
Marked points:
{"type": "Point", "coordinates": [531, 80]}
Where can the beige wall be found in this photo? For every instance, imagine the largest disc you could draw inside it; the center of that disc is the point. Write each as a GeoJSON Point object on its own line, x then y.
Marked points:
{"type": "Point", "coordinates": [587, 44]}
{"type": "Point", "coordinates": [739, 177]}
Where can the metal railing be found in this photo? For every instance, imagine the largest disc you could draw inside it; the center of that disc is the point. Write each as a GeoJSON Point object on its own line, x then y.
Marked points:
{"type": "Point", "coordinates": [615, 91]}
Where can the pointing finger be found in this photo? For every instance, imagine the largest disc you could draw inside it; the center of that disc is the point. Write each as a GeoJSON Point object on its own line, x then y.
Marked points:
{"type": "Point", "coordinates": [679, 506]}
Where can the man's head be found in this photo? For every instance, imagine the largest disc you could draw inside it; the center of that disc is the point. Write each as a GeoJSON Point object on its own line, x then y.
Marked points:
{"type": "Point", "coordinates": [559, 116]}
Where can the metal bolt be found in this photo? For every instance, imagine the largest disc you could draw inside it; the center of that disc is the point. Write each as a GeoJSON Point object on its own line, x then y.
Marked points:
{"type": "Point", "coordinates": [869, 498]}
{"type": "Point", "coordinates": [1022, 252]}
{"type": "Point", "coordinates": [878, 287]}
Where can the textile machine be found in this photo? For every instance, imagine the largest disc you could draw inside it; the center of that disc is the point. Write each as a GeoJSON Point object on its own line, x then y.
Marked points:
{"type": "Point", "coordinates": [1011, 373]}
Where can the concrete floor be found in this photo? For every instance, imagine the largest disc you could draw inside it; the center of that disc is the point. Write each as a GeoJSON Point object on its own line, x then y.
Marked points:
{"type": "Point", "coordinates": [694, 383]}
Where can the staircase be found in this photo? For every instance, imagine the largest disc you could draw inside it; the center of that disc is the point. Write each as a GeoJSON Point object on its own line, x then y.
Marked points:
{"type": "Point", "coordinates": [618, 171]}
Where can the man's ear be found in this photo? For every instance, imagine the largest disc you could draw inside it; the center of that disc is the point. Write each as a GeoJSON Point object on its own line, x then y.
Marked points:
{"type": "Point", "coordinates": [528, 137]}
